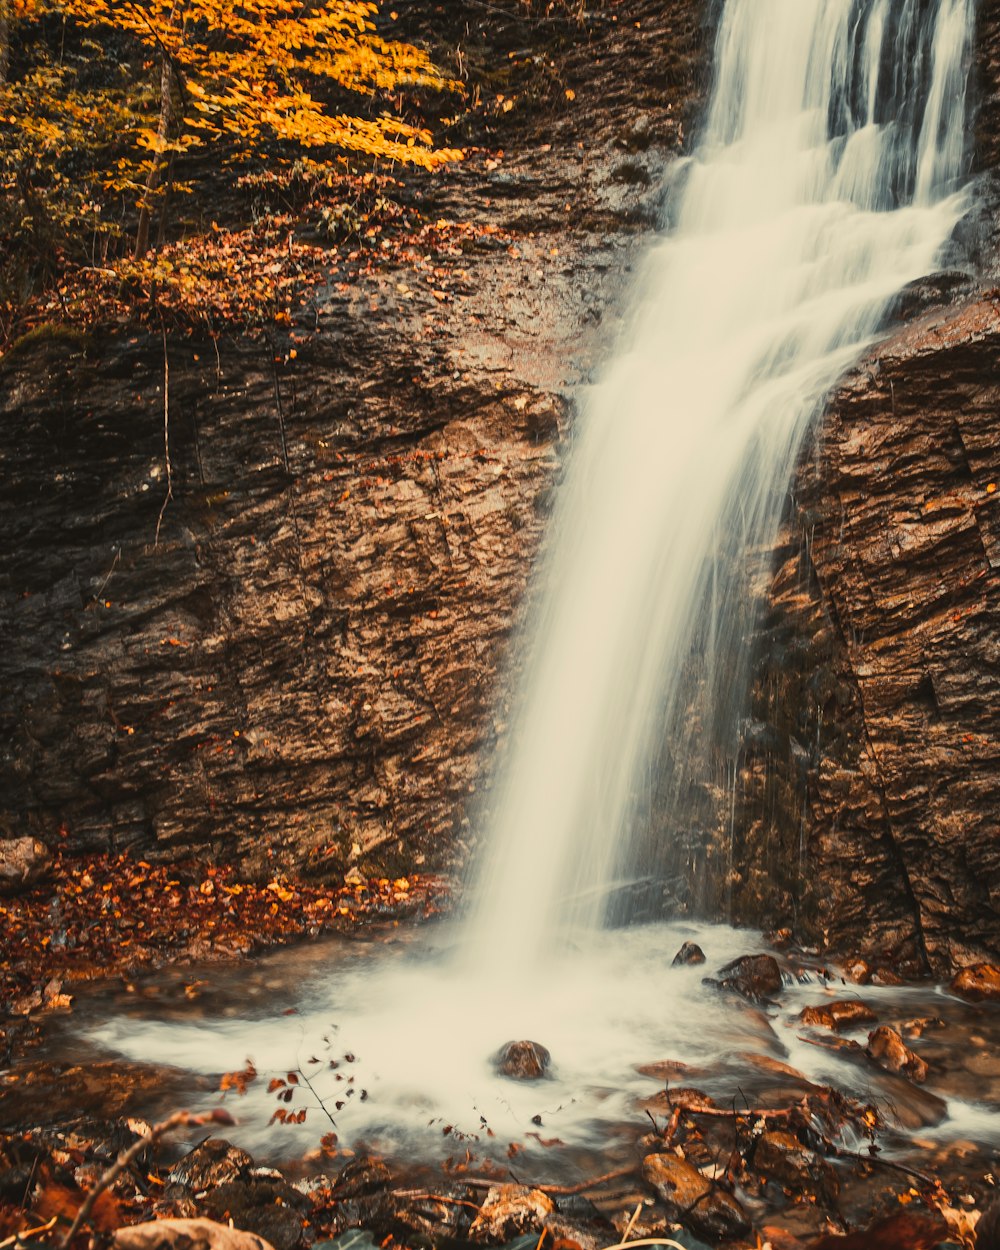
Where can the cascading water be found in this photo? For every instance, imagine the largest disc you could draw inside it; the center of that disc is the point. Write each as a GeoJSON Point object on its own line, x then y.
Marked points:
{"type": "Point", "coordinates": [826, 181]}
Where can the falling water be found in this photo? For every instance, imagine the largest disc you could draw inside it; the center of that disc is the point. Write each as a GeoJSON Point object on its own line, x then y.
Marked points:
{"type": "Point", "coordinates": [826, 181]}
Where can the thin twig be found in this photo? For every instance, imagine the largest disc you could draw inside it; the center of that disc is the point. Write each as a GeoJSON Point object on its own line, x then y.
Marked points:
{"type": "Point", "coordinates": [631, 1224]}
{"type": "Point", "coordinates": [482, 1182]}
{"type": "Point", "coordinates": [127, 1157]}
{"type": "Point", "coordinates": [25, 1233]}
{"type": "Point", "coordinates": [166, 432]}
{"type": "Point", "coordinates": [420, 1196]}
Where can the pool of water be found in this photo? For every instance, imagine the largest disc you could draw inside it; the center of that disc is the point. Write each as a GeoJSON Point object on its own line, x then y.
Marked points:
{"type": "Point", "coordinates": [391, 1043]}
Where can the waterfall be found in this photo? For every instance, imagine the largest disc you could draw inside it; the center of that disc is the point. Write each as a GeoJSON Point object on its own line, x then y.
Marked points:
{"type": "Point", "coordinates": [827, 179]}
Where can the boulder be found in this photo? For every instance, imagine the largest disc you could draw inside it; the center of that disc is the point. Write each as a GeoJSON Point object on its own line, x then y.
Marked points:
{"type": "Point", "coordinates": [23, 862]}
{"type": "Point", "coordinates": [693, 1200]}
{"type": "Point", "coordinates": [523, 1061]}
{"type": "Point", "coordinates": [889, 1051]}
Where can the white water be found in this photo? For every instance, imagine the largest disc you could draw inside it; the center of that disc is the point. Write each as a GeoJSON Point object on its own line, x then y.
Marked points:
{"type": "Point", "coordinates": [826, 181]}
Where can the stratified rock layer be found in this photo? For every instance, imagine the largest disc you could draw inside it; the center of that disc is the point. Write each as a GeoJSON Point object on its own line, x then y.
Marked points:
{"type": "Point", "coordinates": [882, 662]}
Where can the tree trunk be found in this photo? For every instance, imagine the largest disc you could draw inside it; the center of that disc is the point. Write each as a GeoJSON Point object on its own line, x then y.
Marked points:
{"type": "Point", "coordinates": [5, 22]}
{"type": "Point", "coordinates": [168, 82]}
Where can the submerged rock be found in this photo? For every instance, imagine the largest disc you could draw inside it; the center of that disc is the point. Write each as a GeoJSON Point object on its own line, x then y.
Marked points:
{"type": "Point", "coordinates": [976, 982]}
{"type": "Point", "coordinates": [692, 1199]}
{"type": "Point", "coordinates": [843, 1014]}
{"type": "Point", "coordinates": [689, 953]}
{"type": "Point", "coordinates": [889, 1051]}
{"type": "Point", "coordinates": [510, 1210]}
{"type": "Point", "coordinates": [523, 1061]}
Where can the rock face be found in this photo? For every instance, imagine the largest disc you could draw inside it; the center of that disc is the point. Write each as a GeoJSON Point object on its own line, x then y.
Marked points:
{"type": "Point", "coordinates": [880, 666]}
{"type": "Point", "coordinates": [304, 668]}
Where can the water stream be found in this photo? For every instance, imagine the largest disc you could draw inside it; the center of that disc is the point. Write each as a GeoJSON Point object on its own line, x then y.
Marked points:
{"type": "Point", "coordinates": [828, 178]}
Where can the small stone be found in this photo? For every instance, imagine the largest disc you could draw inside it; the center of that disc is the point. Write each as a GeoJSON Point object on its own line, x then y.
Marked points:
{"type": "Point", "coordinates": [23, 862]}
{"type": "Point", "coordinates": [522, 1061]}
{"type": "Point", "coordinates": [508, 1211]}
{"type": "Point", "coordinates": [889, 1051]}
{"type": "Point", "coordinates": [977, 982]}
{"type": "Point", "coordinates": [844, 1014]}
{"type": "Point", "coordinates": [689, 953]}
{"type": "Point", "coordinates": [886, 976]}
{"type": "Point", "coordinates": [692, 1199]}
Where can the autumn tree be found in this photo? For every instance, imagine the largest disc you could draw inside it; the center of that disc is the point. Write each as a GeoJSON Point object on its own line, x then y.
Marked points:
{"type": "Point", "coordinates": [111, 101]}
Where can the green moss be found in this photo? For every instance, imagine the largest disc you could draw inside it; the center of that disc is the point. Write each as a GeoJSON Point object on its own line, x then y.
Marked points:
{"type": "Point", "coordinates": [56, 333]}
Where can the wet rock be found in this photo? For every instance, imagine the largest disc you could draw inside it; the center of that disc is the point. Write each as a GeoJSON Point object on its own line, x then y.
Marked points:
{"type": "Point", "coordinates": [843, 1014]}
{"type": "Point", "coordinates": [756, 977]}
{"type": "Point", "coordinates": [783, 1158]}
{"type": "Point", "coordinates": [887, 976]}
{"type": "Point", "coordinates": [889, 1051]}
{"type": "Point", "coordinates": [857, 971]}
{"type": "Point", "coordinates": [510, 1210]}
{"type": "Point", "coordinates": [271, 1208]}
{"type": "Point", "coordinates": [692, 1199]}
{"type": "Point", "coordinates": [666, 1100]}
{"type": "Point", "coordinates": [587, 1234]}
{"type": "Point", "coordinates": [212, 1163]}
{"type": "Point", "coordinates": [523, 1061]}
{"type": "Point", "coordinates": [988, 1228]}
{"type": "Point", "coordinates": [170, 1234]}
{"type": "Point", "coordinates": [977, 982]}
{"type": "Point", "coordinates": [363, 1195]}
{"type": "Point", "coordinates": [432, 1219]}
{"type": "Point", "coordinates": [904, 1230]}
{"type": "Point", "coordinates": [360, 1178]}
{"type": "Point", "coordinates": [910, 1106]}
{"type": "Point", "coordinates": [689, 953]}
{"type": "Point", "coordinates": [23, 862]}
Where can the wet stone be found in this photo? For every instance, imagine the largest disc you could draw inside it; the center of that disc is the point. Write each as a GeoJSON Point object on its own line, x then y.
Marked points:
{"type": "Point", "coordinates": [271, 1209]}
{"type": "Point", "coordinates": [844, 1014]}
{"type": "Point", "coordinates": [857, 971]}
{"type": "Point", "coordinates": [523, 1061]}
{"type": "Point", "coordinates": [509, 1211]}
{"type": "Point", "coordinates": [692, 1199]}
{"type": "Point", "coordinates": [212, 1163]}
{"type": "Point", "coordinates": [23, 862]}
{"type": "Point", "coordinates": [689, 953]}
{"type": "Point", "coordinates": [783, 1158]}
{"type": "Point", "coordinates": [889, 1051]}
{"type": "Point", "coordinates": [756, 977]}
{"type": "Point", "coordinates": [977, 982]}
